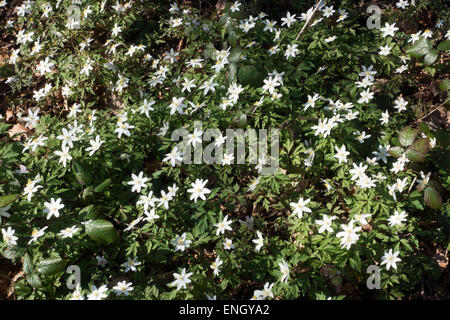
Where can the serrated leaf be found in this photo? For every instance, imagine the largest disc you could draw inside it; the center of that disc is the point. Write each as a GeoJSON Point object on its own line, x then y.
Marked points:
{"type": "Point", "coordinates": [34, 280]}
{"type": "Point", "coordinates": [422, 145]}
{"type": "Point", "coordinates": [432, 198]}
{"type": "Point", "coordinates": [407, 136]}
{"type": "Point", "coordinates": [51, 266]}
{"type": "Point", "coordinates": [102, 231]}
{"type": "Point", "coordinates": [396, 152]}
{"type": "Point", "coordinates": [431, 57]}
{"type": "Point", "coordinates": [415, 156]}
{"type": "Point", "coordinates": [7, 200]}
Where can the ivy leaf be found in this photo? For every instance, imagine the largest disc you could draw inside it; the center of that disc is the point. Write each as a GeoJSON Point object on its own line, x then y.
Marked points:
{"type": "Point", "coordinates": [51, 266]}
{"type": "Point", "coordinates": [7, 200]}
{"type": "Point", "coordinates": [102, 231]}
{"type": "Point", "coordinates": [407, 136]}
{"type": "Point", "coordinates": [432, 198]}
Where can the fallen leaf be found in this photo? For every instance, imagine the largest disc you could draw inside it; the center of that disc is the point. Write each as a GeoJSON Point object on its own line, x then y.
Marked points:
{"type": "Point", "coordinates": [18, 129]}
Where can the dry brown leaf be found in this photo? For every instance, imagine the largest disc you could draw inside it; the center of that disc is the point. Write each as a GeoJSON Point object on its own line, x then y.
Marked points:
{"type": "Point", "coordinates": [221, 4]}
{"type": "Point", "coordinates": [18, 128]}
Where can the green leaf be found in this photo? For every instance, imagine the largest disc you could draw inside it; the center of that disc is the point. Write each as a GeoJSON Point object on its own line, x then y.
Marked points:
{"type": "Point", "coordinates": [102, 231]}
{"type": "Point", "coordinates": [424, 127]}
{"type": "Point", "coordinates": [445, 85]}
{"type": "Point", "coordinates": [249, 75]}
{"type": "Point", "coordinates": [235, 55]}
{"type": "Point", "coordinates": [233, 69]}
{"type": "Point", "coordinates": [432, 198]}
{"type": "Point", "coordinates": [51, 266]}
{"type": "Point", "coordinates": [34, 280]}
{"type": "Point", "coordinates": [102, 186]}
{"type": "Point", "coordinates": [80, 172]}
{"type": "Point", "coordinates": [415, 156]}
{"type": "Point", "coordinates": [407, 136]}
{"type": "Point", "coordinates": [232, 38]}
{"type": "Point", "coordinates": [14, 252]}
{"type": "Point", "coordinates": [243, 121]}
{"type": "Point", "coordinates": [431, 57]}
{"type": "Point", "coordinates": [396, 152]}
{"type": "Point", "coordinates": [420, 48]}
{"type": "Point", "coordinates": [421, 145]}
{"type": "Point", "coordinates": [28, 264]}
{"type": "Point", "coordinates": [7, 200]}
{"type": "Point", "coordinates": [444, 45]}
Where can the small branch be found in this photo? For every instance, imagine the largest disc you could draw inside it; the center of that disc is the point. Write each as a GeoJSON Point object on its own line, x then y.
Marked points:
{"type": "Point", "coordinates": [432, 110]}
{"type": "Point", "coordinates": [307, 22]}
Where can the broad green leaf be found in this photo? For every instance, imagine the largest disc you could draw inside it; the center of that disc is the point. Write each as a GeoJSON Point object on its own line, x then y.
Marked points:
{"type": "Point", "coordinates": [232, 38]}
{"type": "Point", "coordinates": [422, 145]}
{"type": "Point", "coordinates": [243, 121]}
{"type": "Point", "coordinates": [79, 172]}
{"type": "Point", "coordinates": [102, 231]}
{"type": "Point", "coordinates": [396, 152]}
{"type": "Point", "coordinates": [407, 136]}
{"type": "Point", "coordinates": [431, 57]}
{"type": "Point", "coordinates": [34, 280]}
{"type": "Point", "coordinates": [250, 75]}
{"type": "Point", "coordinates": [433, 198]}
{"type": "Point", "coordinates": [415, 156]}
{"type": "Point", "coordinates": [445, 85]}
{"type": "Point", "coordinates": [424, 127]}
{"type": "Point", "coordinates": [233, 69]}
{"type": "Point", "coordinates": [420, 48]}
{"type": "Point", "coordinates": [51, 266]}
{"type": "Point", "coordinates": [27, 264]}
{"type": "Point", "coordinates": [7, 200]}
{"type": "Point", "coordinates": [235, 55]}
{"type": "Point", "coordinates": [444, 45]}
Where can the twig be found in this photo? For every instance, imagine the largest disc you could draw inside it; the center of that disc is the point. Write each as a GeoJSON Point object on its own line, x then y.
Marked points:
{"type": "Point", "coordinates": [410, 187]}
{"type": "Point", "coordinates": [307, 22]}
{"type": "Point", "coordinates": [433, 110]}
